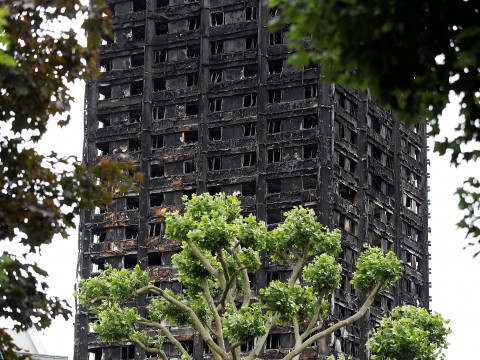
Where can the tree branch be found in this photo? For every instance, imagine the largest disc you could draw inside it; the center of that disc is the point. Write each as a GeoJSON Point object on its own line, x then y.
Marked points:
{"type": "Point", "coordinates": [213, 308]}
{"type": "Point", "coordinates": [316, 315]}
{"type": "Point", "coordinates": [148, 349]}
{"type": "Point", "coordinates": [296, 328]}
{"type": "Point", "coordinates": [204, 333]}
{"type": "Point", "coordinates": [167, 333]}
{"type": "Point", "coordinates": [355, 317]}
{"type": "Point", "coordinates": [215, 273]}
{"type": "Point", "coordinates": [244, 274]}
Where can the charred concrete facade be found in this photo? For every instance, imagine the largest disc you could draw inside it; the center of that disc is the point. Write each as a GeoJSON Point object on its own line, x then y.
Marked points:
{"type": "Point", "coordinates": [200, 96]}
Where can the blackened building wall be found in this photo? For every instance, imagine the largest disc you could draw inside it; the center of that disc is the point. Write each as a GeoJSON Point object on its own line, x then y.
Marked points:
{"type": "Point", "coordinates": [199, 94]}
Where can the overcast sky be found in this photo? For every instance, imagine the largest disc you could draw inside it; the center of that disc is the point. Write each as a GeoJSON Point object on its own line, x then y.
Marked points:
{"type": "Point", "coordinates": [455, 274]}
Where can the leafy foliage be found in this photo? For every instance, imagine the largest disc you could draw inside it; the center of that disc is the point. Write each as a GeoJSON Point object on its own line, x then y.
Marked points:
{"type": "Point", "coordinates": [410, 55]}
{"type": "Point", "coordinates": [220, 248]}
{"type": "Point", "coordinates": [410, 333]}
{"type": "Point", "coordinates": [40, 195]}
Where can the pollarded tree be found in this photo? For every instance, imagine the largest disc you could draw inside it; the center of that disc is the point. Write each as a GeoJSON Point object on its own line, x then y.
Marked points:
{"type": "Point", "coordinates": [220, 248]}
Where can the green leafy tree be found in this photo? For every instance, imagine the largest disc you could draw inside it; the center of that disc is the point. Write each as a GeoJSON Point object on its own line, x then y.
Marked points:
{"type": "Point", "coordinates": [411, 55]}
{"type": "Point", "coordinates": [40, 195]}
{"type": "Point", "coordinates": [410, 333]}
{"type": "Point", "coordinates": [220, 248]}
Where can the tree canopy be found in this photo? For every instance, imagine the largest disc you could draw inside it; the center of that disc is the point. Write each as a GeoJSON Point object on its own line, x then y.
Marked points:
{"type": "Point", "coordinates": [410, 333]}
{"type": "Point", "coordinates": [411, 55]}
{"type": "Point", "coordinates": [220, 251]}
{"type": "Point", "coordinates": [41, 194]}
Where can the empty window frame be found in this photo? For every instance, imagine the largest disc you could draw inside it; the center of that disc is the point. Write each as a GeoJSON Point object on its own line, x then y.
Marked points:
{"type": "Point", "coordinates": [249, 129]}
{"type": "Point", "coordinates": [249, 159]}
{"type": "Point", "coordinates": [276, 38]}
{"type": "Point", "coordinates": [128, 352]}
{"type": "Point", "coordinates": [136, 88]}
{"type": "Point", "coordinates": [131, 232]}
{"type": "Point", "coordinates": [309, 151]}
{"type": "Point", "coordinates": [189, 137]}
{"type": "Point", "coordinates": [216, 47]}
{"type": "Point", "coordinates": [215, 105]}
{"type": "Point", "coordinates": [250, 71]}
{"type": "Point", "coordinates": [273, 341]}
{"type": "Point", "coordinates": [348, 105]}
{"type": "Point", "coordinates": [99, 237]}
{"type": "Point", "coordinates": [274, 11]}
{"type": "Point", "coordinates": [411, 204]}
{"type": "Point", "coordinates": [250, 100]}
{"type": "Point", "coordinates": [251, 42]}
{"type": "Point", "coordinates": [345, 132]}
{"type": "Point", "coordinates": [194, 23]}
{"type": "Point", "coordinates": [217, 18]}
{"type": "Point", "coordinates": [103, 121]}
{"type": "Point", "coordinates": [249, 188]}
{"type": "Point", "coordinates": [345, 162]}
{"type": "Point", "coordinates": [135, 116]}
{"type": "Point", "coordinates": [214, 163]}
{"type": "Point", "coordinates": [157, 170]}
{"type": "Point", "coordinates": [158, 113]}
{"type": "Point", "coordinates": [106, 65]}
{"type": "Point", "coordinates": [215, 134]}
{"type": "Point", "coordinates": [104, 92]}
{"type": "Point", "coordinates": [193, 51]}
{"type": "Point", "coordinates": [251, 13]}
{"type": "Point", "coordinates": [275, 66]}
{"type": "Point", "coordinates": [216, 76]}
{"type": "Point", "coordinates": [274, 126]}
{"type": "Point", "coordinates": [311, 91]}
{"type": "Point", "coordinates": [138, 33]}
{"type": "Point", "coordinates": [189, 167]}
{"type": "Point", "coordinates": [347, 193]}
{"type": "Point", "coordinates": [156, 199]}
{"type": "Point", "coordinates": [274, 156]}
{"type": "Point", "coordinates": [134, 145]}
{"type": "Point", "coordinates": [192, 79]}
{"type": "Point", "coordinates": [159, 84]}
{"type": "Point", "coordinates": [274, 186]}
{"type": "Point", "coordinates": [155, 229]}
{"type": "Point", "coordinates": [139, 5]}
{"type": "Point", "coordinates": [157, 141]}
{"type": "Point", "coordinates": [160, 56]}
{"type": "Point", "coordinates": [136, 60]}
{"type": "Point", "coordinates": [162, 3]}
{"type": "Point", "coordinates": [309, 122]}
{"type": "Point", "coordinates": [161, 27]}
{"type": "Point", "coordinates": [274, 96]}
{"type": "Point", "coordinates": [191, 109]}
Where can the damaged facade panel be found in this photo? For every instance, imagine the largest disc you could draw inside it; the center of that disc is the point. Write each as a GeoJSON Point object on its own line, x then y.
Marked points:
{"type": "Point", "coordinates": [200, 96]}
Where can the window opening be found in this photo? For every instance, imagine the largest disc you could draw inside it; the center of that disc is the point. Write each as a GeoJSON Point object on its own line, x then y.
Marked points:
{"type": "Point", "coordinates": [132, 202]}
{"type": "Point", "coordinates": [273, 341]}
{"type": "Point", "coordinates": [250, 13]}
{"type": "Point", "coordinates": [134, 145]}
{"type": "Point", "coordinates": [251, 42]}
{"type": "Point", "coordinates": [159, 84]}
{"type": "Point", "coordinates": [192, 79]}
{"type": "Point", "coordinates": [188, 167]}
{"type": "Point", "coordinates": [215, 134]}
{"type": "Point", "coordinates": [105, 92]}
{"type": "Point", "coordinates": [194, 23]}
{"type": "Point", "coordinates": [103, 121]}
{"type": "Point", "coordinates": [158, 112]}
{"type": "Point", "coordinates": [311, 91]}
{"type": "Point", "coordinates": [274, 156]}
{"type": "Point", "coordinates": [310, 122]}
{"type": "Point", "coordinates": [276, 38]}
{"type": "Point", "coordinates": [249, 159]}
{"type": "Point", "coordinates": [274, 126]}
{"type": "Point", "coordinates": [249, 129]}
{"type": "Point", "coordinates": [139, 5]}
{"type": "Point", "coordinates": [138, 33]}
{"type": "Point", "coordinates": [217, 18]}
{"type": "Point", "coordinates": [309, 182]}
{"type": "Point", "coordinates": [155, 229]}
{"type": "Point", "coordinates": [136, 60]}
{"type": "Point", "coordinates": [162, 3]}
{"type": "Point", "coordinates": [309, 151]}
{"type": "Point", "coordinates": [129, 262]}
{"type": "Point", "coordinates": [347, 193]}
{"type": "Point", "coordinates": [128, 352]}
{"type": "Point", "coordinates": [215, 105]}
{"type": "Point", "coordinates": [136, 88]}
{"type": "Point", "coordinates": [250, 71]}
{"type": "Point", "coordinates": [274, 186]}
{"type": "Point", "coordinates": [156, 199]}
{"type": "Point", "coordinates": [191, 109]}
{"type": "Point", "coordinates": [274, 11]}
{"type": "Point", "coordinates": [274, 96]}
{"type": "Point", "coordinates": [106, 65]}
{"type": "Point", "coordinates": [135, 116]}
{"type": "Point", "coordinates": [193, 51]}
{"type": "Point", "coordinates": [157, 170]}
{"type": "Point", "coordinates": [216, 76]}
{"type": "Point", "coordinates": [250, 100]}
{"type": "Point", "coordinates": [214, 163]}
{"type": "Point", "coordinates": [275, 66]}
{"type": "Point", "coordinates": [160, 56]}
{"type": "Point", "coordinates": [216, 47]}
{"type": "Point", "coordinates": [249, 188]}
{"type": "Point", "coordinates": [161, 28]}
{"type": "Point", "coordinates": [190, 137]}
